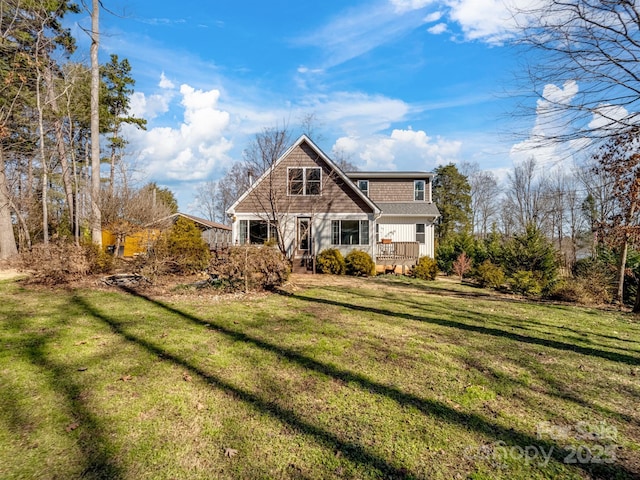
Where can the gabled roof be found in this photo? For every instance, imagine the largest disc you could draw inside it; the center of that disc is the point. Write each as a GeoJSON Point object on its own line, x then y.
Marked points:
{"type": "Point", "coordinates": [304, 139]}
{"type": "Point", "coordinates": [200, 222]}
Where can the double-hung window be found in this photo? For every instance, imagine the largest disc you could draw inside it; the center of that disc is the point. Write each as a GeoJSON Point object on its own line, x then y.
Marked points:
{"type": "Point", "coordinates": [304, 180]}
{"type": "Point", "coordinates": [420, 233]}
{"type": "Point", "coordinates": [419, 190]}
{"type": "Point", "coordinates": [363, 185]}
{"type": "Point", "coordinates": [350, 232]}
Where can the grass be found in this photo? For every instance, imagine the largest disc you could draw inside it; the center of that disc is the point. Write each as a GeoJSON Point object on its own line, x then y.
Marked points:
{"type": "Point", "coordinates": [343, 378]}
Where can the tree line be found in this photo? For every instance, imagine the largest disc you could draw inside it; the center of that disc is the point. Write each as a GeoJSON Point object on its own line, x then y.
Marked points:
{"type": "Point", "coordinates": [588, 213]}
{"type": "Point", "coordinates": [54, 113]}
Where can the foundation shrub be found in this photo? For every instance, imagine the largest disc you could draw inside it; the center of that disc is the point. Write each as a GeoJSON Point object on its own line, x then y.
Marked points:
{"type": "Point", "coordinates": [359, 264]}
{"type": "Point", "coordinates": [331, 261]}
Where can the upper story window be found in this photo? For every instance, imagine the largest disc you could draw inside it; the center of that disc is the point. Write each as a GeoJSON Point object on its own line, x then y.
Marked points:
{"type": "Point", "coordinates": [304, 180]}
{"type": "Point", "coordinates": [363, 185]}
{"type": "Point", "coordinates": [419, 190]}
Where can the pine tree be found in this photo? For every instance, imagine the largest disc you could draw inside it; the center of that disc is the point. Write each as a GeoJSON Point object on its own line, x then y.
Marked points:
{"type": "Point", "coordinates": [452, 195]}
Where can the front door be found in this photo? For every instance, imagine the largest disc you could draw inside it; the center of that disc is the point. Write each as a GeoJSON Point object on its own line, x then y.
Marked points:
{"type": "Point", "coordinates": [304, 235]}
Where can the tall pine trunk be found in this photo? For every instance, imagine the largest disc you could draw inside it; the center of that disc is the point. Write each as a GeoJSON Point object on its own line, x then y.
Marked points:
{"type": "Point", "coordinates": [96, 217]}
{"type": "Point", "coordinates": [43, 158]}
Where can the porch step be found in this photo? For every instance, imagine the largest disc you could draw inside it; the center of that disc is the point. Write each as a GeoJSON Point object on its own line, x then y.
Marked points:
{"type": "Point", "coordinates": [298, 266]}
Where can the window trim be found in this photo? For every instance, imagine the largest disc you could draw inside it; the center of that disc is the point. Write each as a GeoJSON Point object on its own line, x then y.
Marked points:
{"type": "Point", "coordinates": [305, 182]}
{"type": "Point", "coordinates": [423, 233]}
{"type": "Point", "coordinates": [364, 191]}
{"type": "Point", "coordinates": [416, 191]}
{"type": "Point", "coordinates": [363, 233]}
{"type": "Point", "coordinates": [244, 229]}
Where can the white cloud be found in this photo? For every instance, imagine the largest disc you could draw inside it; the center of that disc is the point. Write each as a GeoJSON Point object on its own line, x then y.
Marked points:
{"type": "Point", "coordinates": [192, 150]}
{"type": "Point", "coordinates": [433, 17]}
{"type": "Point", "coordinates": [153, 105]}
{"type": "Point", "coordinates": [609, 119]}
{"type": "Point", "coordinates": [358, 113]}
{"type": "Point", "coordinates": [438, 29]}
{"type": "Point", "coordinates": [359, 30]}
{"type": "Point", "coordinates": [402, 6]}
{"type": "Point", "coordinates": [403, 149]}
{"type": "Point", "coordinates": [149, 107]}
{"type": "Point", "coordinates": [165, 82]}
{"type": "Point", "coordinates": [550, 125]}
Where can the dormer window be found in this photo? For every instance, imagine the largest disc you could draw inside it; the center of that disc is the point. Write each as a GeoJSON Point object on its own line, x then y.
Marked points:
{"type": "Point", "coordinates": [363, 185]}
{"type": "Point", "coordinates": [419, 190]}
{"type": "Point", "coordinates": [304, 180]}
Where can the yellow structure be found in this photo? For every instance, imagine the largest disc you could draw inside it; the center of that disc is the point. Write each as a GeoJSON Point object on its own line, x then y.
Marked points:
{"type": "Point", "coordinates": [134, 244]}
{"type": "Point", "coordinates": [215, 234]}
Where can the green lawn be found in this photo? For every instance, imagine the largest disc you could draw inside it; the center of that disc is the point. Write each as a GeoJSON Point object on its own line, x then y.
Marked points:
{"type": "Point", "coordinates": [344, 378]}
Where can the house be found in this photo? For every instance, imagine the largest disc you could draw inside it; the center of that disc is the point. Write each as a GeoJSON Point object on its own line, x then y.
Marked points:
{"type": "Point", "coordinates": [215, 234]}
{"type": "Point", "coordinates": [306, 204]}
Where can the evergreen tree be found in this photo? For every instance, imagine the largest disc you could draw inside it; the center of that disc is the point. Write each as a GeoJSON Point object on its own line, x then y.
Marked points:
{"type": "Point", "coordinates": [452, 195]}
{"type": "Point", "coordinates": [116, 91]}
{"type": "Point", "coordinates": [530, 251]}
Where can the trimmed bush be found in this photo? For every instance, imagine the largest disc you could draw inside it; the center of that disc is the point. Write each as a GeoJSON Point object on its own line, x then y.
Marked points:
{"type": "Point", "coordinates": [250, 267]}
{"type": "Point", "coordinates": [331, 260]}
{"type": "Point", "coordinates": [490, 275]}
{"type": "Point", "coordinates": [425, 269]}
{"type": "Point", "coordinates": [359, 263]}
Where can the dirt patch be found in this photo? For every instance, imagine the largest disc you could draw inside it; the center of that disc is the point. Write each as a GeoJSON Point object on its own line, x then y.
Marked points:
{"type": "Point", "coordinates": [10, 274]}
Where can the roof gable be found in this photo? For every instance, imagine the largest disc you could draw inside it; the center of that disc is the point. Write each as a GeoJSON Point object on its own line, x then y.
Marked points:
{"type": "Point", "coordinates": [302, 142]}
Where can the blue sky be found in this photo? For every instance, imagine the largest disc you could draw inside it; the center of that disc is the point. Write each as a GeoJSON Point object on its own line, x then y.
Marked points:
{"type": "Point", "coordinates": [393, 84]}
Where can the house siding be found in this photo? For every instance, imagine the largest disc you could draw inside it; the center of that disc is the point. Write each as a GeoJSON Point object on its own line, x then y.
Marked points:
{"type": "Point", "coordinates": [402, 229]}
{"type": "Point", "coordinates": [335, 197]}
{"type": "Point", "coordinates": [395, 190]}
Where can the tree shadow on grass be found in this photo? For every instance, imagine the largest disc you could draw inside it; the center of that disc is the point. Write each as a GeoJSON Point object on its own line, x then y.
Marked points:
{"type": "Point", "coordinates": [556, 389]}
{"type": "Point", "coordinates": [96, 456]}
{"type": "Point", "coordinates": [352, 450]}
{"type": "Point", "coordinates": [509, 322]}
{"type": "Point", "coordinates": [496, 332]}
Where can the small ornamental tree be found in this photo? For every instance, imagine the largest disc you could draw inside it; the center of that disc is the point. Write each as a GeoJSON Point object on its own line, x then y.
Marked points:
{"type": "Point", "coordinates": [462, 265]}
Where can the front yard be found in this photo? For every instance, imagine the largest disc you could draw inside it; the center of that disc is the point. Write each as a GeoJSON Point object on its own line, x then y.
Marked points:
{"type": "Point", "coordinates": [340, 378]}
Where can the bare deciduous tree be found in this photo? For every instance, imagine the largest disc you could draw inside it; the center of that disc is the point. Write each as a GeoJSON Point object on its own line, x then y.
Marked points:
{"type": "Point", "coordinates": [525, 197]}
{"type": "Point", "coordinates": [128, 211]}
{"type": "Point", "coordinates": [591, 47]}
{"type": "Point", "coordinates": [207, 199]}
{"type": "Point", "coordinates": [485, 195]}
{"type": "Point", "coordinates": [619, 160]}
